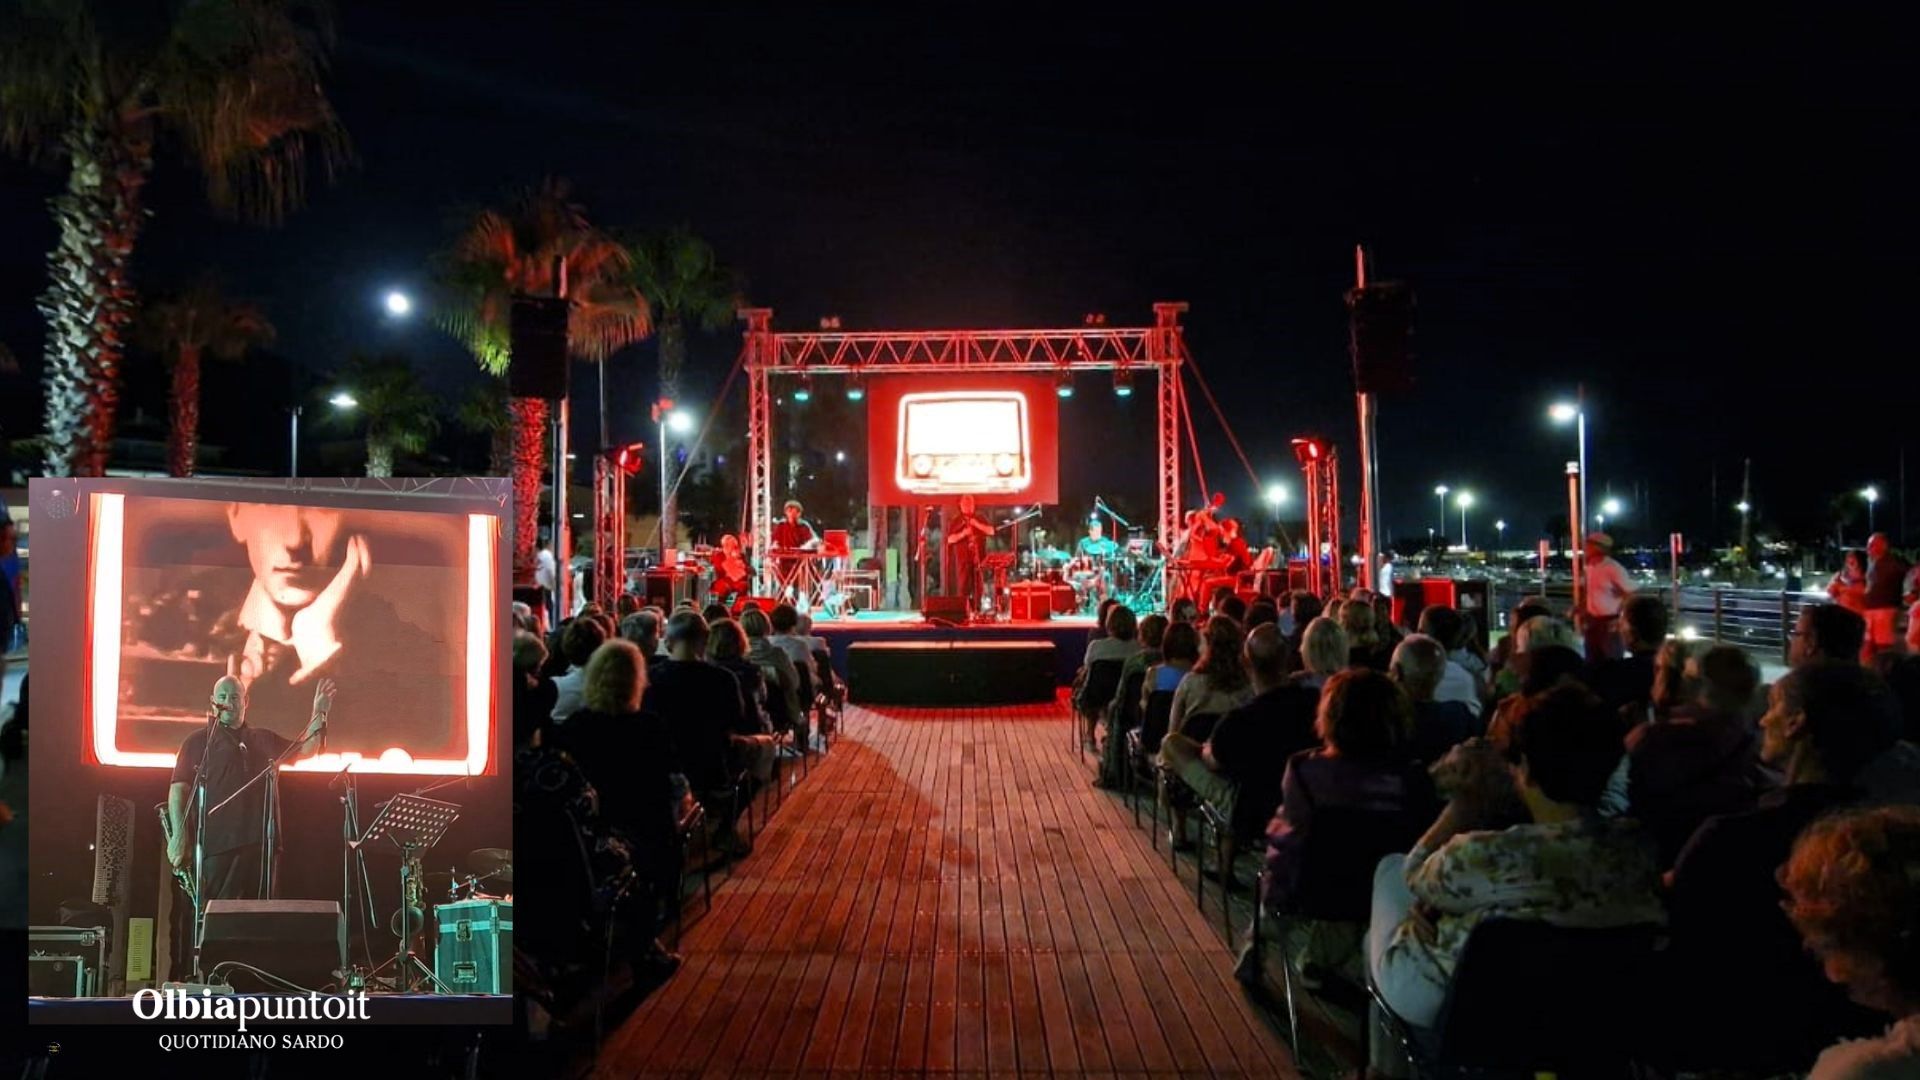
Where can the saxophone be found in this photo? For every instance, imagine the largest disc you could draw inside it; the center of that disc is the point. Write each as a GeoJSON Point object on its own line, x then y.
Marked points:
{"type": "Point", "coordinates": [181, 875]}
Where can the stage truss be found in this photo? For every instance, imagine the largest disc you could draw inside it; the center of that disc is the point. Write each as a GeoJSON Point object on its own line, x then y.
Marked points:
{"type": "Point", "coordinates": [1160, 349]}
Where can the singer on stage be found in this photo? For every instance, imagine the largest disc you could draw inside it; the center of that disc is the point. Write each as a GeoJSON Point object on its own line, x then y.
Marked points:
{"type": "Point", "coordinates": [967, 532]}
{"type": "Point", "coordinates": [232, 864]}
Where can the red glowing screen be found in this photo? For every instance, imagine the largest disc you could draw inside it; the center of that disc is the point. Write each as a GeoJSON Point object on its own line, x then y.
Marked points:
{"type": "Point", "coordinates": [933, 438]}
{"type": "Point", "coordinates": [396, 606]}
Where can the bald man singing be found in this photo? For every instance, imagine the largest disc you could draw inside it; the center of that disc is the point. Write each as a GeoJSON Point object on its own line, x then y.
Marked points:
{"type": "Point", "coordinates": [231, 864]}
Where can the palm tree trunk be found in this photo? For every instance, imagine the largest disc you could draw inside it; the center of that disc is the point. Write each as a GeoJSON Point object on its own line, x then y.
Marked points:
{"type": "Point", "coordinates": [529, 460]}
{"type": "Point", "coordinates": [89, 299]}
{"type": "Point", "coordinates": [673, 356]}
{"type": "Point", "coordinates": [183, 434]}
{"type": "Point", "coordinates": [379, 457]}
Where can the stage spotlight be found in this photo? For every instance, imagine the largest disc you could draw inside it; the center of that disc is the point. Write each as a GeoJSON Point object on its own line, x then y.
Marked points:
{"type": "Point", "coordinates": [804, 392]}
{"type": "Point", "coordinates": [1123, 382]}
{"type": "Point", "coordinates": [856, 386]}
{"type": "Point", "coordinates": [1063, 384]}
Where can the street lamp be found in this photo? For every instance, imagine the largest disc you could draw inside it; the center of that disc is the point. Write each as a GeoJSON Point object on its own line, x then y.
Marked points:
{"type": "Point", "coordinates": [678, 421]}
{"type": "Point", "coordinates": [1872, 495]}
{"type": "Point", "coordinates": [398, 304]}
{"type": "Point", "coordinates": [1463, 501]}
{"type": "Point", "coordinates": [1575, 412]}
{"type": "Point", "coordinates": [340, 400]}
{"type": "Point", "coordinates": [1440, 493]}
{"type": "Point", "coordinates": [1500, 528]}
{"type": "Point", "coordinates": [1277, 496]}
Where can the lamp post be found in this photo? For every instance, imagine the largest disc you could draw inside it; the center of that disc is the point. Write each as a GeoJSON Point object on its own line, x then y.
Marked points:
{"type": "Point", "coordinates": [1440, 493]}
{"type": "Point", "coordinates": [340, 400]}
{"type": "Point", "coordinates": [1872, 495]}
{"type": "Point", "coordinates": [1500, 529]}
{"type": "Point", "coordinates": [1576, 411]}
{"type": "Point", "coordinates": [1463, 501]}
{"type": "Point", "coordinates": [679, 421]}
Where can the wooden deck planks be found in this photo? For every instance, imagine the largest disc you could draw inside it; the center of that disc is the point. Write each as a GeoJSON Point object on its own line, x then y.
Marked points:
{"type": "Point", "coordinates": [944, 895]}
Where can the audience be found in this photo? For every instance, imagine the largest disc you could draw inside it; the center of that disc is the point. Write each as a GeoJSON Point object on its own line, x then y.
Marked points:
{"type": "Point", "coordinates": [1185, 610]}
{"type": "Point", "coordinates": [788, 638]}
{"type": "Point", "coordinates": [1121, 641]}
{"type": "Point", "coordinates": [1732, 944]}
{"type": "Point", "coordinates": [1503, 650]}
{"type": "Point", "coordinates": [1826, 632]}
{"type": "Point", "coordinates": [1262, 612]}
{"type": "Point", "coordinates": [1237, 768]}
{"type": "Point", "coordinates": [1437, 726]}
{"type": "Point", "coordinates": [1365, 647]}
{"type": "Point", "coordinates": [1853, 894]}
{"type": "Point", "coordinates": [1302, 608]}
{"type": "Point", "coordinates": [1218, 682]}
{"type": "Point", "coordinates": [727, 648]}
{"type": "Point", "coordinates": [643, 629]}
{"type": "Point", "coordinates": [1458, 682]}
{"type": "Point", "coordinates": [1701, 756]}
{"type": "Point", "coordinates": [1627, 680]}
{"type": "Point", "coordinates": [782, 677]}
{"type": "Point", "coordinates": [533, 694]}
{"type": "Point", "coordinates": [703, 711]}
{"type": "Point", "coordinates": [577, 644]}
{"type": "Point", "coordinates": [1566, 865]}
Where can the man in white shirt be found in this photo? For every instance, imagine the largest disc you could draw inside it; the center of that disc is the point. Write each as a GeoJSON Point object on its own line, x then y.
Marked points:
{"type": "Point", "coordinates": [1608, 590]}
{"type": "Point", "coordinates": [1384, 584]}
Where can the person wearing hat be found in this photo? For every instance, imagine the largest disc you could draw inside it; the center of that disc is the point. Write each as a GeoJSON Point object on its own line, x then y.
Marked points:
{"type": "Point", "coordinates": [1608, 590]}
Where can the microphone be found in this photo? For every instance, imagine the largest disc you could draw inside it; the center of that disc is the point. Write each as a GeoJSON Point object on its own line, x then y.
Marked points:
{"type": "Point", "coordinates": [339, 776]}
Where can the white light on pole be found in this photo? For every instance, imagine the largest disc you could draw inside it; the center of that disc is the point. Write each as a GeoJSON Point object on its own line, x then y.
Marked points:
{"type": "Point", "coordinates": [1500, 529]}
{"type": "Point", "coordinates": [1872, 495]}
{"type": "Point", "coordinates": [1564, 412]}
{"type": "Point", "coordinates": [398, 304]}
{"type": "Point", "coordinates": [1464, 500]}
{"type": "Point", "coordinates": [1277, 496]}
{"type": "Point", "coordinates": [1611, 508]}
{"type": "Point", "coordinates": [343, 400]}
{"type": "Point", "coordinates": [1440, 492]}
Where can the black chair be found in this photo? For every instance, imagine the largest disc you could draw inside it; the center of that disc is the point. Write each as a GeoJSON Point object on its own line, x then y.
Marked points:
{"type": "Point", "coordinates": [691, 825]}
{"type": "Point", "coordinates": [1096, 692]}
{"type": "Point", "coordinates": [1528, 997]}
{"type": "Point", "coordinates": [1142, 744]}
{"type": "Point", "coordinates": [1337, 864]}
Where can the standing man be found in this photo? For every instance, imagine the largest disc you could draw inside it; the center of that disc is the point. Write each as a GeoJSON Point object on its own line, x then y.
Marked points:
{"type": "Point", "coordinates": [966, 540]}
{"type": "Point", "coordinates": [234, 863]}
{"type": "Point", "coordinates": [1886, 574]}
{"type": "Point", "coordinates": [1607, 592]}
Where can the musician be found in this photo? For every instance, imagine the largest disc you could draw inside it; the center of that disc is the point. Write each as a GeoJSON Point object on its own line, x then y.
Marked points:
{"type": "Point", "coordinates": [967, 533]}
{"type": "Point", "coordinates": [792, 533]}
{"type": "Point", "coordinates": [1232, 559]}
{"type": "Point", "coordinates": [1094, 544]}
{"type": "Point", "coordinates": [232, 848]}
{"type": "Point", "coordinates": [732, 577]}
{"type": "Point", "coordinates": [1090, 555]}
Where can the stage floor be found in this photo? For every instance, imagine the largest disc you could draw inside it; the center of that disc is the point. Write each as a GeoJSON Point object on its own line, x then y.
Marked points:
{"type": "Point", "coordinates": [1068, 634]}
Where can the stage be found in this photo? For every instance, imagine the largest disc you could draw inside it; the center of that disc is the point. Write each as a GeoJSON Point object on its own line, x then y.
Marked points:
{"type": "Point", "coordinates": [1067, 634]}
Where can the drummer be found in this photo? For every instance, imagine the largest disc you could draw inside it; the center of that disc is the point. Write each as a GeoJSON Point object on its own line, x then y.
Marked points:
{"type": "Point", "coordinates": [1092, 556]}
{"type": "Point", "coordinates": [1094, 544]}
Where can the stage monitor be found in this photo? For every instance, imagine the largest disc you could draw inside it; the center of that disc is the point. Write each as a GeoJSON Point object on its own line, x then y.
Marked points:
{"type": "Point", "coordinates": [935, 437]}
{"type": "Point", "coordinates": [394, 599]}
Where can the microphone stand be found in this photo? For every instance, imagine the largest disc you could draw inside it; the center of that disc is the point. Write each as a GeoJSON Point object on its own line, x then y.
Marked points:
{"type": "Point", "coordinates": [269, 777]}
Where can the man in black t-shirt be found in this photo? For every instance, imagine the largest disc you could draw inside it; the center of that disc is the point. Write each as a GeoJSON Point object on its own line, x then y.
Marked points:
{"type": "Point", "coordinates": [231, 866]}
{"type": "Point", "coordinates": [1239, 767]}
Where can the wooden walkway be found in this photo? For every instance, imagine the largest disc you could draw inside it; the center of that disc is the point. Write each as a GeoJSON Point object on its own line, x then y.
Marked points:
{"type": "Point", "coordinates": [945, 895]}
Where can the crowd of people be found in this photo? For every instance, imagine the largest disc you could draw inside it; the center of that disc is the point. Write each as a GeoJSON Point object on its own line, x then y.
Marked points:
{"type": "Point", "coordinates": [642, 737]}
{"type": "Point", "coordinates": [1407, 784]}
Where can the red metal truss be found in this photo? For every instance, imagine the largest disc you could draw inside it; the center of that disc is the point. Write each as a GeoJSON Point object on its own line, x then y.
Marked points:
{"type": "Point", "coordinates": [1160, 347]}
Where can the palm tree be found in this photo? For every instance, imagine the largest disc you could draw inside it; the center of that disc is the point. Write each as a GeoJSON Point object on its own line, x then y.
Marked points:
{"type": "Point", "coordinates": [94, 84]}
{"type": "Point", "coordinates": [512, 251]}
{"type": "Point", "coordinates": [182, 328]}
{"type": "Point", "coordinates": [484, 411]}
{"type": "Point", "coordinates": [678, 274]}
{"type": "Point", "coordinates": [397, 411]}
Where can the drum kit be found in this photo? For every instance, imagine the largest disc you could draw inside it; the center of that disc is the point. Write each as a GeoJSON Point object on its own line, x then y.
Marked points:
{"type": "Point", "coordinates": [1133, 575]}
{"type": "Point", "coordinates": [489, 876]}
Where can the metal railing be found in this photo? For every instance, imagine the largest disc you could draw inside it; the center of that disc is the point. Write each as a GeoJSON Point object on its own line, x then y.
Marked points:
{"type": "Point", "coordinates": [1759, 621]}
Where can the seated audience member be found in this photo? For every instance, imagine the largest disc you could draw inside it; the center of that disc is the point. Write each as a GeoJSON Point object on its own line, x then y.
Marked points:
{"type": "Point", "coordinates": [1302, 608]}
{"type": "Point", "coordinates": [533, 694]}
{"type": "Point", "coordinates": [626, 605]}
{"type": "Point", "coordinates": [1457, 683]}
{"type": "Point", "coordinates": [1469, 653]}
{"type": "Point", "coordinates": [1546, 666]}
{"type": "Point", "coordinates": [1365, 648]}
{"type": "Point", "coordinates": [643, 629]}
{"type": "Point", "coordinates": [628, 756]}
{"type": "Point", "coordinates": [1233, 608]}
{"type": "Point", "coordinates": [1826, 632]}
{"type": "Point", "coordinates": [713, 613]}
{"type": "Point", "coordinates": [1503, 650]}
{"type": "Point", "coordinates": [577, 642]}
{"type": "Point", "coordinates": [1122, 639]}
{"type": "Point", "coordinates": [1702, 757]}
{"type": "Point", "coordinates": [1853, 893]}
{"type": "Point", "coordinates": [1361, 765]}
{"type": "Point", "coordinates": [1438, 726]}
{"type": "Point", "coordinates": [1218, 682]}
{"type": "Point", "coordinates": [703, 711]}
{"type": "Point", "coordinates": [1325, 651]}
{"type": "Point", "coordinates": [1124, 715]}
{"type": "Point", "coordinates": [1262, 612]}
{"type": "Point", "coordinates": [1567, 865]}
{"type": "Point", "coordinates": [788, 638]}
{"type": "Point", "coordinates": [1185, 610]}
{"type": "Point", "coordinates": [1100, 618]}
{"type": "Point", "coordinates": [1179, 651]}
{"type": "Point", "coordinates": [1675, 683]}
{"type": "Point", "coordinates": [524, 618]}
{"type": "Point", "coordinates": [1390, 635]}
{"type": "Point", "coordinates": [1732, 944]}
{"type": "Point", "coordinates": [783, 678]}
{"type": "Point", "coordinates": [727, 648]}
{"type": "Point", "coordinates": [1238, 768]}
{"type": "Point", "coordinates": [1628, 680]}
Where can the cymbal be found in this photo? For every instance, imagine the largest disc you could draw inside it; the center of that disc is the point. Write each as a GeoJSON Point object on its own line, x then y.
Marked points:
{"type": "Point", "coordinates": [493, 862]}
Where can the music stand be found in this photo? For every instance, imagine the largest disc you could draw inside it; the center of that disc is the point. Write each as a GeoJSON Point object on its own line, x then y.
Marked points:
{"type": "Point", "coordinates": [413, 824]}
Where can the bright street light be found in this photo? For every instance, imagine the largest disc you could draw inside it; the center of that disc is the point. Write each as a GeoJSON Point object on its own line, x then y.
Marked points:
{"type": "Point", "coordinates": [1564, 412]}
{"type": "Point", "coordinates": [343, 400]}
{"type": "Point", "coordinates": [839, 455]}
{"type": "Point", "coordinates": [1611, 508]}
{"type": "Point", "coordinates": [399, 304]}
{"type": "Point", "coordinates": [1500, 527]}
{"type": "Point", "coordinates": [680, 421]}
{"type": "Point", "coordinates": [1277, 495]}
{"type": "Point", "coordinates": [1743, 506]}
{"type": "Point", "coordinates": [1463, 501]}
{"type": "Point", "coordinates": [1440, 492]}
{"type": "Point", "coordinates": [1872, 495]}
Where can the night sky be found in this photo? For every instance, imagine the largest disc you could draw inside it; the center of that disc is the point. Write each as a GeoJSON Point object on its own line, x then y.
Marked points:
{"type": "Point", "coordinates": [1710, 226]}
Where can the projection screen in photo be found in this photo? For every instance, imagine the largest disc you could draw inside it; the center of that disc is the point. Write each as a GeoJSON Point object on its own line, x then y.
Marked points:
{"type": "Point", "coordinates": [395, 606]}
{"type": "Point", "coordinates": [937, 438]}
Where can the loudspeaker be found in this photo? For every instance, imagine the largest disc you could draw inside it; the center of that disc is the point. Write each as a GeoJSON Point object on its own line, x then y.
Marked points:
{"type": "Point", "coordinates": [1032, 601]}
{"type": "Point", "coordinates": [945, 608]}
{"type": "Point", "coordinates": [538, 338]}
{"type": "Point", "coordinates": [1381, 325]}
{"type": "Point", "coordinates": [301, 941]}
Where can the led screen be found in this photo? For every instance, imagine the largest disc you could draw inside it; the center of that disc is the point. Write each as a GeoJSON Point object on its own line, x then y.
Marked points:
{"type": "Point", "coordinates": [937, 437]}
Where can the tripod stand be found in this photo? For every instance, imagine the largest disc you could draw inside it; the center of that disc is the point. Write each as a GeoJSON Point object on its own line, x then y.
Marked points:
{"type": "Point", "coordinates": [414, 825]}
